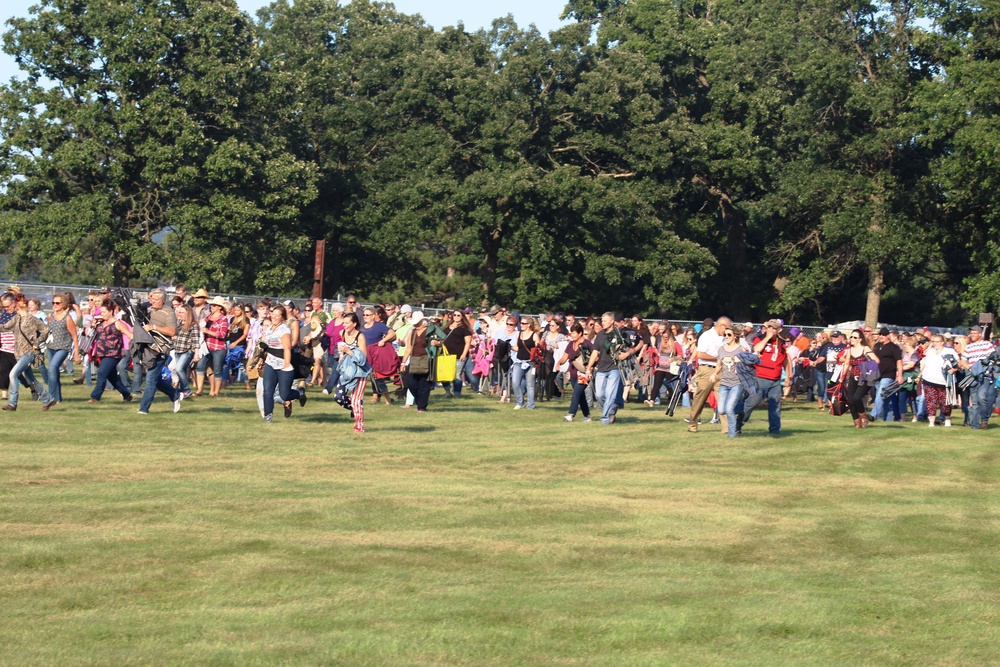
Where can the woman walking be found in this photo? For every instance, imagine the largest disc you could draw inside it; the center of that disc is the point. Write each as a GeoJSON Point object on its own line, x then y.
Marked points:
{"type": "Point", "coordinates": [353, 349]}
{"type": "Point", "coordinates": [63, 341]}
{"type": "Point", "coordinates": [236, 342]}
{"type": "Point", "coordinates": [577, 355]}
{"type": "Point", "coordinates": [934, 381]}
{"type": "Point", "coordinates": [730, 387]}
{"type": "Point", "coordinates": [855, 391]}
{"type": "Point", "coordinates": [555, 339]}
{"type": "Point", "coordinates": [524, 369]}
{"type": "Point", "coordinates": [377, 334]}
{"type": "Point", "coordinates": [215, 332]}
{"type": "Point", "coordinates": [185, 344]}
{"type": "Point", "coordinates": [668, 358]}
{"type": "Point", "coordinates": [28, 332]}
{"type": "Point", "coordinates": [109, 348]}
{"type": "Point", "coordinates": [458, 342]}
{"type": "Point", "coordinates": [277, 371]}
{"type": "Point", "coordinates": [417, 360]}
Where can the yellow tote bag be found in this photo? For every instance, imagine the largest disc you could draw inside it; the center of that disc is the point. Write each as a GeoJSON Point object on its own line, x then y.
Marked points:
{"type": "Point", "coordinates": [447, 365]}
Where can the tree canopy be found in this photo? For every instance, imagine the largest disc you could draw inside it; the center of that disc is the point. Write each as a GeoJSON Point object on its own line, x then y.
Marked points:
{"type": "Point", "coordinates": [818, 159]}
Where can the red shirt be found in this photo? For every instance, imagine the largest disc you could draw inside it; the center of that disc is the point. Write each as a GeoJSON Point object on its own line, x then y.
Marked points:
{"type": "Point", "coordinates": [772, 359]}
{"type": "Point", "coordinates": [217, 330]}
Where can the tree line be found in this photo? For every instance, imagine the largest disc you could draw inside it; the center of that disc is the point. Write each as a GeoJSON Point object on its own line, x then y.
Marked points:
{"type": "Point", "coordinates": [820, 158]}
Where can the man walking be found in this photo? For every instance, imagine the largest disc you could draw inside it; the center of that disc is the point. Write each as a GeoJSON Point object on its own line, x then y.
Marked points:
{"type": "Point", "coordinates": [603, 360]}
{"type": "Point", "coordinates": [709, 342]}
{"type": "Point", "coordinates": [890, 369]}
{"type": "Point", "coordinates": [773, 352]}
{"type": "Point", "coordinates": [152, 355]}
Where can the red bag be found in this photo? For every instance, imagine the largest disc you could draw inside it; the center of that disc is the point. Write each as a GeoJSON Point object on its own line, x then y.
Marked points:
{"type": "Point", "coordinates": [838, 406]}
{"type": "Point", "coordinates": [384, 360]}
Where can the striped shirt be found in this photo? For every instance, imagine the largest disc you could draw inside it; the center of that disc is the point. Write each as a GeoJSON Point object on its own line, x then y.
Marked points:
{"type": "Point", "coordinates": [977, 351]}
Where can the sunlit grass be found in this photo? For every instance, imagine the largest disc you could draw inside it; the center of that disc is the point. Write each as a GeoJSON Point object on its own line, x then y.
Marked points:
{"type": "Point", "coordinates": [476, 535]}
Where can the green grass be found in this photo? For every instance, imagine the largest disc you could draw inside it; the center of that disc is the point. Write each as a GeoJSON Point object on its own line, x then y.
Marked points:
{"type": "Point", "coordinates": [475, 535]}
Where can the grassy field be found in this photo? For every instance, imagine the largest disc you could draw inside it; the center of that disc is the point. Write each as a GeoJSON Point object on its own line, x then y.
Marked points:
{"type": "Point", "coordinates": [475, 535]}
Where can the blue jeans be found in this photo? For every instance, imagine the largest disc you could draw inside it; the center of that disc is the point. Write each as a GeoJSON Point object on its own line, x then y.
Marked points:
{"type": "Point", "coordinates": [522, 377]}
{"type": "Point", "coordinates": [822, 379]}
{"type": "Point", "coordinates": [283, 381]}
{"type": "Point", "coordinates": [107, 371]}
{"type": "Point", "coordinates": [579, 399]}
{"type": "Point", "coordinates": [772, 390]}
{"type": "Point", "coordinates": [155, 382]}
{"type": "Point", "coordinates": [983, 396]}
{"type": "Point", "coordinates": [729, 400]}
{"type": "Point", "coordinates": [882, 405]}
{"type": "Point", "coordinates": [607, 386]}
{"type": "Point", "coordinates": [466, 372]}
{"type": "Point", "coordinates": [333, 378]}
{"type": "Point", "coordinates": [137, 376]}
{"type": "Point", "coordinates": [123, 369]}
{"type": "Point", "coordinates": [182, 362]}
{"type": "Point", "coordinates": [56, 358]}
{"type": "Point", "coordinates": [23, 365]}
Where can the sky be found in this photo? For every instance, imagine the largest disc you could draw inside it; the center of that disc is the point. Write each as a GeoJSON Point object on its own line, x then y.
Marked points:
{"type": "Point", "coordinates": [474, 14]}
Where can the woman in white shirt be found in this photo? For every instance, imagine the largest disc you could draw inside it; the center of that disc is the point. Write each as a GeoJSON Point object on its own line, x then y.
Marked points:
{"type": "Point", "coordinates": [277, 371]}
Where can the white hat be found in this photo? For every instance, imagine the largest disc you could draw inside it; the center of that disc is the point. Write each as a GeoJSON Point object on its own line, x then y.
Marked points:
{"type": "Point", "coordinates": [219, 301]}
{"type": "Point", "coordinates": [405, 308]}
{"type": "Point", "coordinates": [417, 317]}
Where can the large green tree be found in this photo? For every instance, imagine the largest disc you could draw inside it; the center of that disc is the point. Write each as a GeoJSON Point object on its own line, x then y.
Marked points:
{"type": "Point", "coordinates": [143, 120]}
{"type": "Point", "coordinates": [960, 114]}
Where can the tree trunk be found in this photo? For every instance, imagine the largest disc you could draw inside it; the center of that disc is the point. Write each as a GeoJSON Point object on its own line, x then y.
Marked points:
{"type": "Point", "coordinates": [735, 223]}
{"type": "Point", "coordinates": [121, 272]}
{"type": "Point", "coordinates": [491, 261]}
{"type": "Point", "coordinates": [876, 285]}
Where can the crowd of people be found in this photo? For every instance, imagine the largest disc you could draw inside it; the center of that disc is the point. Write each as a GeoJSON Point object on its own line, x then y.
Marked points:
{"type": "Point", "coordinates": [184, 345]}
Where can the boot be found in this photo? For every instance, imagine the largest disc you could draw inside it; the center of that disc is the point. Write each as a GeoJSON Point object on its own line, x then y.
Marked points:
{"type": "Point", "coordinates": [864, 420]}
{"type": "Point", "coordinates": [724, 420]}
{"type": "Point", "coordinates": [857, 423]}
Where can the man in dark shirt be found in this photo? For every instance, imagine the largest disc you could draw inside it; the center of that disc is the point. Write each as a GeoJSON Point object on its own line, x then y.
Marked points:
{"type": "Point", "coordinates": [604, 360]}
{"type": "Point", "coordinates": [826, 363]}
{"type": "Point", "coordinates": [890, 368]}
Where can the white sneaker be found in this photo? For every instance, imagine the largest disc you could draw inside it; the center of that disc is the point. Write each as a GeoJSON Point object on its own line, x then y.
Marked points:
{"type": "Point", "coordinates": [177, 405]}
{"type": "Point", "coordinates": [947, 422]}
{"type": "Point", "coordinates": [517, 407]}
{"type": "Point", "coordinates": [568, 418]}
{"type": "Point", "coordinates": [930, 424]}
{"type": "Point", "coordinates": [914, 420]}
{"type": "Point", "coordinates": [326, 392]}
{"type": "Point", "coordinates": [586, 419]}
